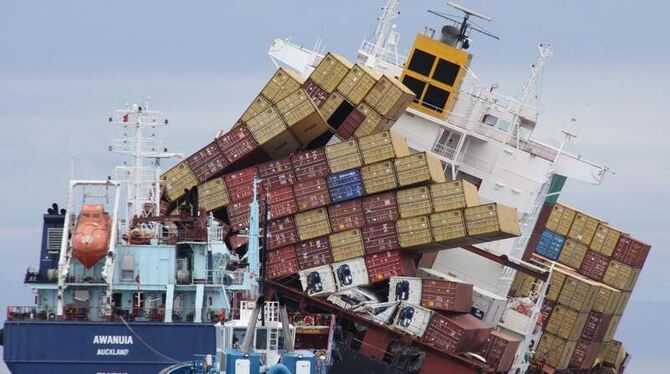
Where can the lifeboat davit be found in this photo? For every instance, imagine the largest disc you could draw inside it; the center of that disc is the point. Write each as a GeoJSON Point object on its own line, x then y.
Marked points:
{"type": "Point", "coordinates": [91, 234]}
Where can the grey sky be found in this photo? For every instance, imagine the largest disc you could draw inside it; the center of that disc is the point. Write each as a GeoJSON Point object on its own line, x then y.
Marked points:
{"type": "Point", "coordinates": [65, 65]}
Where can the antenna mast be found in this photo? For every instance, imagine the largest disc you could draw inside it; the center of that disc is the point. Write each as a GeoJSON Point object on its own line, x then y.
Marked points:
{"type": "Point", "coordinates": [532, 89]}
{"type": "Point", "coordinates": [383, 32]}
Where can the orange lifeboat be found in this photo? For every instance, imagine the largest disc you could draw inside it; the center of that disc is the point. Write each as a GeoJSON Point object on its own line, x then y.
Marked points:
{"type": "Point", "coordinates": [91, 234]}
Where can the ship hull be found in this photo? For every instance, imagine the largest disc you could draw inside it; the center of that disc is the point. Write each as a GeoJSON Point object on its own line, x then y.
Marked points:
{"type": "Point", "coordinates": [102, 347]}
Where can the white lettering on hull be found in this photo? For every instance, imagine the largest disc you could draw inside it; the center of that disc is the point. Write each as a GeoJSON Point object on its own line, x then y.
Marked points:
{"type": "Point", "coordinates": [112, 352]}
{"type": "Point", "coordinates": [113, 339]}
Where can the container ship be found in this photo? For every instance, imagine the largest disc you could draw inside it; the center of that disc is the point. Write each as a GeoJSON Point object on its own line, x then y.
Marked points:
{"type": "Point", "coordinates": [392, 215]}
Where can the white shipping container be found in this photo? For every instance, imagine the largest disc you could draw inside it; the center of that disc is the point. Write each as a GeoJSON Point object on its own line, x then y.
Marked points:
{"type": "Point", "coordinates": [487, 306]}
{"type": "Point", "coordinates": [350, 273]}
{"type": "Point", "coordinates": [379, 312]}
{"type": "Point", "coordinates": [318, 281]}
{"type": "Point", "coordinates": [407, 289]}
{"type": "Point", "coordinates": [352, 299]}
{"type": "Point", "coordinates": [412, 319]}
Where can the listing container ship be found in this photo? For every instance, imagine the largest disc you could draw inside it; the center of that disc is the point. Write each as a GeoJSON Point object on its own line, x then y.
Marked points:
{"type": "Point", "coordinates": [398, 211]}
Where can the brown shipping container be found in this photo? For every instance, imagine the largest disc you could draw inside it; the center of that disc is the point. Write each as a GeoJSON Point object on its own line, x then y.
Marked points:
{"type": "Point", "coordinates": [594, 266]}
{"type": "Point", "coordinates": [240, 184]}
{"type": "Point", "coordinates": [281, 202]}
{"type": "Point", "coordinates": [446, 295]}
{"type": "Point", "coordinates": [382, 266]}
{"type": "Point", "coordinates": [281, 232]}
{"type": "Point", "coordinates": [357, 83]}
{"type": "Point", "coordinates": [389, 97]}
{"type": "Point", "coordinates": [543, 218]}
{"type": "Point", "coordinates": [213, 195]}
{"type": "Point", "coordinates": [207, 162]}
{"type": "Point", "coordinates": [312, 224]}
{"type": "Point", "coordinates": [605, 239]}
{"type": "Point", "coordinates": [343, 156]}
{"type": "Point", "coordinates": [382, 146]}
{"type": "Point", "coordinates": [372, 123]}
{"type": "Point", "coordinates": [316, 93]}
{"type": "Point", "coordinates": [350, 124]}
{"type": "Point", "coordinates": [418, 168]}
{"type": "Point", "coordinates": [310, 164]}
{"type": "Point", "coordinates": [499, 350]}
{"type": "Point", "coordinates": [492, 222]}
{"type": "Point", "coordinates": [282, 262]}
{"type": "Point", "coordinates": [380, 238]}
{"type": "Point", "coordinates": [448, 227]}
{"type": "Point", "coordinates": [313, 253]}
{"type": "Point", "coordinates": [583, 228]}
{"type": "Point", "coordinates": [178, 179]}
{"type": "Point", "coordinates": [380, 208]}
{"type": "Point", "coordinates": [414, 232]}
{"type": "Point", "coordinates": [577, 292]}
{"type": "Point", "coordinates": [620, 276]}
{"type": "Point", "coordinates": [457, 333]}
{"type": "Point", "coordinates": [560, 220]}
{"type": "Point", "coordinates": [379, 177]}
{"type": "Point", "coordinates": [453, 195]}
{"type": "Point", "coordinates": [346, 216]}
{"type": "Point", "coordinates": [276, 173]}
{"type": "Point", "coordinates": [312, 193]}
{"type": "Point", "coordinates": [555, 351]}
{"type": "Point", "coordinates": [259, 105]}
{"type": "Point", "coordinates": [414, 202]}
{"type": "Point", "coordinates": [607, 300]}
{"type": "Point", "coordinates": [545, 312]}
{"type": "Point", "coordinates": [572, 254]}
{"type": "Point", "coordinates": [596, 326]}
{"type": "Point", "coordinates": [346, 245]}
{"type": "Point", "coordinates": [631, 251]}
{"type": "Point", "coordinates": [330, 71]}
{"type": "Point", "coordinates": [238, 144]}
{"type": "Point", "coordinates": [566, 323]}
{"type": "Point", "coordinates": [238, 214]}
{"type": "Point", "coordinates": [282, 83]}
{"type": "Point", "coordinates": [585, 354]}
{"type": "Point", "coordinates": [302, 117]}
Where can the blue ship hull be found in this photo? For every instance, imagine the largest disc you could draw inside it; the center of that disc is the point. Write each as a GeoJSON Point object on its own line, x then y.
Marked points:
{"type": "Point", "coordinates": [103, 347]}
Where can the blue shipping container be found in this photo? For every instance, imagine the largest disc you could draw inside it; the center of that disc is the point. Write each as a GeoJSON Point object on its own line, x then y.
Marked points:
{"type": "Point", "coordinates": [550, 245]}
{"type": "Point", "coordinates": [345, 185]}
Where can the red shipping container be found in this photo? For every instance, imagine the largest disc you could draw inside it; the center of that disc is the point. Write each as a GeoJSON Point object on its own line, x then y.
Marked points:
{"type": "Point", "coordinates": [207, 162]}
{"type": "Point", "coordinates": [281, 263]}
{"type": "Point", "coordinates": [311, 193]}
{"type": "Point", "coordinates": [383, 266]}
{"type": "Point", "coordinates": [380, 238]}
{"type": "Point", "coordinates": [594, 266]}
{"type": "Point", "coordinates": [380, 208]}
{"type": "Point", "coordinates": [281, 202]}
{"type": "Point", "coordinates": [238, 214]}
{"type": "Point", "coordinates": [457, 333]}
{"type": "Point", "coordinates": [631, 252]}
{"type": "Point", "coordinates": [236, 241]}
{"type": "Point", "coordinates": [315, 92]}
{"type": "Point", "coordinates": [545, 311]}
{"type": "Point", "coordinates": [313, 253]}
{"type": "Point", "coordinates": [499, 350]}
{"type": "Point", "coordinates": [278, 173]}
{"type": "Point", "coordinates": [281, 232]}
{"type": "Point", "coordinates": [240, 184]}
{"type": "Point", "coordinates": [595, 327]}
{"type": "Point", "coordinates": [237, 143]}
{"type": "Point", "coordinates": [310, 164]}
{"type": "Point", "coordinates": [350, 124]}
{"type": "Point", "coordinates": [346, 216]}
{"type": "Point", "coordinates": [446, 295]}
{"type": "Point", "coordinates": [585, 354]}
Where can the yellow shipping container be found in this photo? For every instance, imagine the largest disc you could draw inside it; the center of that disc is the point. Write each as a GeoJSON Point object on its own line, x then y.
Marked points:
{"type": "Point", "coordinates": [419, 168]}
{"type": "Point", "coordinates": [572, 253]}
{"type": "Point", "coordinates": [178, 179]}
{"type": "Point", "coordinates": [281, 145]}
{"type": "Point", "coordinates": [414, 202]}
{"type": "Point", "coordinates": [213, 194]}
{"type": "Point", "coordinates": [283, 83]}
{"type": "Point", "coordinates": [621, 303]}
{"type": "Point", "coordinates": [373, 122]}
{"type": "Point", "coordinates": [357, 83]}
{"type": "Point", "coordinates": [413, 232]}
{"type": "Point", "coordinates": [343, 156]}
{"type": "Point", "coordinates": [555, 351]}
{"type": "Point", "coordinates": [453, 195]}
{"type": "Point", "coordinates": [331, 104]}
{"type": "Point", "coordinates": [522, 285]}
{"type": "Point", "coordinates": [583, 228]}
{"type": "Point", "coordinates": [621, 276]}
{"type": "Point", "coordinates": [449, 227]}
{"type": "Point", "coordinates": [266, 126]}
{"type": "Point", "coordinates": [607, 300]}
{"type": "Point", "coordinates": [492, 222]}
{"type": "Point", "coordinates": [612, 354]}
{"type": "Point", "coordinates": [389, 97]}
{"type": "Point", "coordinates": [382, 146]}
{"type": "Point", "coordinates": [379, 177]}
{"type": "Point", "coordinates": [560, 219]}
{"type": "Point", "coordinates": [302, 117]}
{"type": "Point", "coordinates": [259, 105]}
{"type": "Point", "coordinates": [605, 239]}
{"type": "Point", "coordinates": [347, 244]}
{"type": "Point", "coordinates": [330, 72]}
{"type": "Point", "coordinates": [558, 277]}
{"type": "Point", "coordinates": [611, 328]}
{"type": "Point", "coordinates": [312, 223]}
{"type": "Point", "coordinates": [566, 323]}
{"type": "Point", "coordinates": [578, 292]}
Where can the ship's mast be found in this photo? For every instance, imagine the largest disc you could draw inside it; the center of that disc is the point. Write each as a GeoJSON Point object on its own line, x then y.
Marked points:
{"type": "Point", "coordinates": [384, 28]}
{"type": "Point", "coordinates": [531, 94]}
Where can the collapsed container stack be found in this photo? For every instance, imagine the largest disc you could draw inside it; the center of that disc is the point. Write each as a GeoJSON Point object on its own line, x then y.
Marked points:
{"type": "Point", "coordinates": [596, 267]}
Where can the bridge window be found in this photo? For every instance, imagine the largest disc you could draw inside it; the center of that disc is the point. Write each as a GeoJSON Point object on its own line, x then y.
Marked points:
{"type": "Point", "coordinates": [436, 98]}
{"type": "Point", "coordinates": [446, 72]}
{"type": "Point", "coordinates": [261, 338]}
{"type": "Point", "coordinates": [421, 62]}
{"type": "Point", "coordinates": [415, 86]}
{"type": "Point", "coordinates": [490, 120]}
{"type": "Point", "coordinates": [503, 125]}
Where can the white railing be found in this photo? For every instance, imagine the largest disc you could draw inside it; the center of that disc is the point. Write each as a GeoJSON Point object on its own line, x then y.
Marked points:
{"type": "Point", "coordinates": [444, 150]}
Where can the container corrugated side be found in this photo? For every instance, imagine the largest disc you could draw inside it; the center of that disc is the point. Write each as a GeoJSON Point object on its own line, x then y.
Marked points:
{"type": "Point", "coordinates": [414, 202]}
{"type": "Point", "coordinates": [631, 251]}
{"type": "Point", "coordinates": [560, 219]}
{"type": "Point", "coordinates": [446, 295]}
{"type": "Point", "coordinates": [240, 184]}
{"type": "Point", "coordinates": [346, 245]}
{"type": "Point", "coordinates": [259, 105]}
{"type": "Point", "coordinates": [282, 232]}
{"type": "Point", "coordinates": [382, 266]}
{"type": "Point", "coordinates": [556, 284]}
{"type": "Point", "coordinates": [379, 177]}
{"type": "Point", "coordinates": [572, 253]}
{"type": "Point", "coordinates": [350, 273]}
{"type": "Point", "coordinates": [277, 173]}
{"type": "Point", "coordinates": [346, 216]}
{"type": "Point", "coordinates": [345, 185]}
{"type": "Point", "coordinates": [207, 162]}
{"type": "Point", "coordinates": [380, 237]}
{"type": "Point", "coordinates": [343, 156]}
{"type": "Point", "coordinates": [607, 299]}
{"type": "Point", "coordinates": [238, 214]}
{"type": "Point", "coordinates": [313, 253]}
{"type": "Point", "coordinates": [335, 110]}
{"type": "Point", "coordinates": [583, 228]}
{"type": "Point", "coordinates": [448, 227]}
{"type": "Point", "coordinates": [596, 326]}
{"type": "Point", "coordinates": [611, 328]}
{"type": "Point", "coordinates": [316, 93]}
{"type": "Point", "coordinates": [310, 164]}
{"type": "Point", "coordinates": [382, 146]}
{"type": "Point", "coordinates": [357, 83]}
{"type": "Point", "coordinates": [266, 126]}
{"type": "Point", "coordinates": [457, 333]}
{"type": "Point", "coordinates": [578, 293]}
{"type": "Point", "coordinates": [412, 319]}
{"type": "Point", "coordinates": [330, 71]}
{"type": "Point", "coordinates": [178, 179]}
{"type": "Point", "coordinates": [213, 195]}
{"type": "Point", "coordinates": [350, 124]}
{"type": "Point", "coordinates": [499, 350]}
{"type": "Point", "coordinates": [406, 289]}
{"type": "Point", "coordinates": [311, 193]}
{"type": "Point", "coordinates": [312, 224]}
{"type": "Point", "coordinates": [282, 84]}
{"type": "Point", "coordinates": [594, 265]}
{"type": "Point", "coordinates": [302, 117]}
{"type": "Point", "coordinates": [585, 354]}
{"type": "Point", "coordinates": [605, 239]}
{"type": "Point", "coordinates": [414, 232]}
{"type": "Point", "coordinates": [555, 351]}
{"type": "Point", "coordinates": [389, 97]}
{"type": "Point", "coordinates": [566, 323]}
{"type": "Point", "coordinates": [238, 145]}
{"type": "Point", "coordinates": [281, 263]}
{"type": "Point", "coordinates": [380, 208]}
{"type": "Point", "coordinates": [621, 276]}
{"type": "Point", "coordinates": [281, 202]}
{"type": "Point", "coordinates": [453, 195]}
{"type": "Point", "coordinates": [318, 281]}
{"type": "Point", "coordinates": [418, 168]}
{"type": "Point", "coordinates": [492, 222]}
{"type": "Point", "coordinates": [373, 122]}
{"type": "Point", "coordinates": [622, 302]}
{"type": "Point", "coordinates": [613, 354]}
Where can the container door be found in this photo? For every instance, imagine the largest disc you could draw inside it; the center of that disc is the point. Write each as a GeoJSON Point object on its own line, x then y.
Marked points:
{"type": "Point", "coordinates": [242, 367]}
{"type": "Point", "coordinates": [303, 367]}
